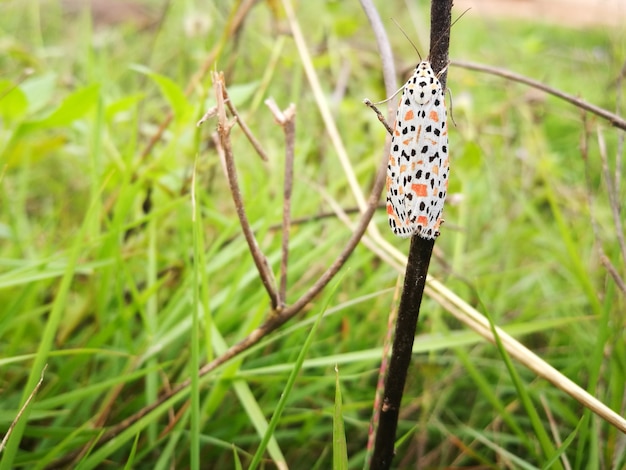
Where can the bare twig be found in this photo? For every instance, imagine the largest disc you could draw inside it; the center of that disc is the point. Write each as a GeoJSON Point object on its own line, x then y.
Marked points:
{"type": "Point", "coordinates": [22, 409]}
{"type": "Point", "coordinates": [614, 119]}
{"type": "Point", "coordinates": [554, 428]}
{"type": "Point", "coordinates": [211, 113]}
{"type": "Point", "coordinates": [614, 200]}
{"type": "Point", "coordinates": [384, 49]}
{"type": "Point", "coordinates": [223, 131]}
{"type": "Point", "coordinates": [286, 119]}
{"type": "Point", "coordinates": [606, 262]}
{"type": "Point", "coordinates": [244, 127]}
{"type": "Point", "coordinates": [379, 115]}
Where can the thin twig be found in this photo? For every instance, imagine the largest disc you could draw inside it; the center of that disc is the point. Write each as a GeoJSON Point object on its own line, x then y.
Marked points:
{"type": "Point", "coordinates": [614, 119]}
{"type": "Point", "coordinates": [223, 131]}
{"type": "Point", "coordinates": [244, 127]}
{"type": "Point", "coordinates": [287, 121]}
{"type": "Point", "coordinates": [614, 200]}
{"type": "Point", "coordinates": [379, 115]}
{"type": "Point", "coordinates": [606, 262]}
{"type": "Point", "coordinates": [22, 409]}
{"type": "Point", "coordinates": [384, 50]}
{"type": "Point", "coordinates": [554, 429]}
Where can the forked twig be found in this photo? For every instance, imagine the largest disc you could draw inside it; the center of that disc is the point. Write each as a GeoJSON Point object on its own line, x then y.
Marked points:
{"type": "Point", "coordinates": [273, 322]}
{"type": "Point", "coordinates": [223, 132]}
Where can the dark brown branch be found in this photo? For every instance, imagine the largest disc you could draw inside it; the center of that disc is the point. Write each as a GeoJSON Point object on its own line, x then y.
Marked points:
{"type": "Point", "coordinates": [223, 131]}
{"type": "Point", "coordinates": [614, 119]}
{"type": "Point", "coordinates": [418, 261]}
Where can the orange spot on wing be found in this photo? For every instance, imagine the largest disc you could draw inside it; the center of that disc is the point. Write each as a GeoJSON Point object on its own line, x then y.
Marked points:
{"type": "Point", "coordinates": [409, 115]}
{"type": "Point", "coordinates": [422, 220]}
{"type": "Point", "coordinates": [390, 211]}
{"type": "Point", "coordinates": [421, 190]}
{"type": "Point", "coordinates": [433, 116]}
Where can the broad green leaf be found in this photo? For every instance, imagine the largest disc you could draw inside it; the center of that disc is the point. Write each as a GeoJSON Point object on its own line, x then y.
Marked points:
{"type": "Point", "coordinates": [13, 102]}
{"type": "Point", "coordinates": [39, 91]}
{"type": "Point", "coordinates": [73, 107]}
{"type": "Point", "coordinates": [172, 92]}
{"type": "Point", "coordinates": [340, 449]}
{"type": "Point", "coordinates": [123, 104]}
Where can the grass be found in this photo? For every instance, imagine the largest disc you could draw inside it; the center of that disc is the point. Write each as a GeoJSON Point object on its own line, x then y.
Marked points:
{"type": "Point", "coordinates": [106, 277]}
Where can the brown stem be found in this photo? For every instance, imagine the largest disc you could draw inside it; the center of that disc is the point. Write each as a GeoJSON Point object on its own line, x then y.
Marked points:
{"type": "Point", "coordinates": [287, 121]}
{"type": "Point", "coordinates": [223, 131]}
{"type": "Point", "coordinates": [614, 119]}
{"type": "Point", "coordinates": [244, 127]}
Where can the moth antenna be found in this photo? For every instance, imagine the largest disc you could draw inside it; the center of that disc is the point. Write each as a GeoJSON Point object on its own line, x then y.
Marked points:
{"type": "Point", "coordinates": [408, 38]}
{"type": "Point", "coordinates": [451, 110]}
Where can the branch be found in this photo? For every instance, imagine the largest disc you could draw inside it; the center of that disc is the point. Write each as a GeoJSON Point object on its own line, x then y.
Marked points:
{"type": "Point", "coordinates": [418, 261]}
{"type": "Point", "coordinates": [223, 131]}
{"type": "Point", "coordinates": [614, 119]}
{"type": "Point", "coordinates": [286, 119]}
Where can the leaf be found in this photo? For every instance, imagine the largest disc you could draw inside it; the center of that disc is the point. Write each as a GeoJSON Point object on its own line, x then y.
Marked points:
{"type": "Point", "coordinates": [122, 105]}
{"type": "Point", "coordinates": [13, 101]}
{"type": "Point", "coordinates": [340, 449]}
{"type": "Point", "coordinates": [39, 91]}
{"type": "Point", "coordinates": [172, 92]}
{"type": "Point", "coordinates": [73, 107]}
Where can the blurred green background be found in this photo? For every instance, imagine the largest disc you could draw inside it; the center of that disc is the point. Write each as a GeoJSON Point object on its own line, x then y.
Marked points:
{"type": "Point", "coordinates": [101, 273]}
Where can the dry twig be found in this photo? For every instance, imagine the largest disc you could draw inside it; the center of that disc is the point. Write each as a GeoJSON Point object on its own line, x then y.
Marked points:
{"type": "Point", "coordinates": [286, 119]}
{"type": "Point", "coordinates": [223, 132]}
{"type": "Point", "coordinates": [614, 119]}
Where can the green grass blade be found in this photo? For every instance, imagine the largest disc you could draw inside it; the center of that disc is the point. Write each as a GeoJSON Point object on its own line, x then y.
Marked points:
{"type": "Point", "coordinates": [340, 449]}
